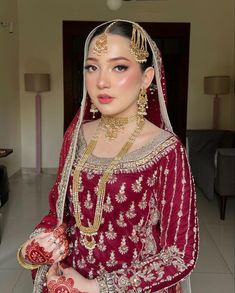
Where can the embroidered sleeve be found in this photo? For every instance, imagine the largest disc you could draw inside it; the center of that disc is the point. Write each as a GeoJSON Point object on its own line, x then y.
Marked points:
{"type": "Point", "coordinates": [176, 200]}
{"type": "Point", "coordinates": [50, 220]}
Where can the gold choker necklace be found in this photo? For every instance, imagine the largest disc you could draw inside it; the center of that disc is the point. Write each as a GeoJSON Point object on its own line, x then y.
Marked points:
{"type": "Point", "coordinates": [113, 125]}
{"type": "Point", "coordinates": [88, 232]}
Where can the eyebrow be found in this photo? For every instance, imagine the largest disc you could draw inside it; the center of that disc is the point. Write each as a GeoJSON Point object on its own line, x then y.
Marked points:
{"type": "Point", "coordinates": [109, 60]}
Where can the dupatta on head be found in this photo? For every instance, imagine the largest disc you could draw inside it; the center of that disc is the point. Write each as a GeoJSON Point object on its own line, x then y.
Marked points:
{"type": "Point", "coordinates": [156, 112]}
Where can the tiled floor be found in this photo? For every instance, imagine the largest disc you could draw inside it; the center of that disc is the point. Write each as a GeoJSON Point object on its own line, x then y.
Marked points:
{"type": "Point", "coordinates": [28, 202]}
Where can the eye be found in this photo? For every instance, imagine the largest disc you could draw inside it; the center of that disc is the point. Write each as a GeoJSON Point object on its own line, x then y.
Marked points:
{"type": "Point", "coordinates": [90, 68]}
{"type": "Point", "coordinates": [120, 68]}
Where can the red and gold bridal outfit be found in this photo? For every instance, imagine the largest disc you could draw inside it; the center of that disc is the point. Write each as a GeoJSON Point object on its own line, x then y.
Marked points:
{"type": "Point", "coordinates": [148, 239]}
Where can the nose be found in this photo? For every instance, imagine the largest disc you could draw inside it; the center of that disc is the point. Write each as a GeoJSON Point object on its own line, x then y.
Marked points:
{"type": "Point", "coordinates": [103, 79]}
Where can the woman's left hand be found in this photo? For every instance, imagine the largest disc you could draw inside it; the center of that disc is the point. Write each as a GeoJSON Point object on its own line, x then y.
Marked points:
{"type": "Point", "coordinates": [68, 280]}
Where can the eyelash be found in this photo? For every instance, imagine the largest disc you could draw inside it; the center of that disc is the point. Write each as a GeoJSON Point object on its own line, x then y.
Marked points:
{"type": "Point", "coordinates": [90, 68]}
{"type": "Point", "coordinates": [121, 68]}
{"type": "Point", "coordinates": [118, 68]}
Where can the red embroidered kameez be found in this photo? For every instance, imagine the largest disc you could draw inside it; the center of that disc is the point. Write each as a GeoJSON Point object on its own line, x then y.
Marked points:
{"type": "Point", "coordinates": [148, 240]}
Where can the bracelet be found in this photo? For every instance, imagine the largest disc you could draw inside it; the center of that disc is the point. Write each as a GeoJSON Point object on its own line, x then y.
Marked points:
{"type": "Point", "coordinates": [23, 263]}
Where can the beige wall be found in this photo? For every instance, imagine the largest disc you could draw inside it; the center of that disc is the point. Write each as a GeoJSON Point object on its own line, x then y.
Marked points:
{"type": "Point", "coordinates": [40, 23]}
{"type": "Point", "coordinates": [9, 88]}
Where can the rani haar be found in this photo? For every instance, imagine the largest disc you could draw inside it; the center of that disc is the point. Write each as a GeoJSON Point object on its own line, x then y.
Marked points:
{"type": "Point", "coordinates": [88, 232]}
{"type": "Point", "coordinates": [111, 125]}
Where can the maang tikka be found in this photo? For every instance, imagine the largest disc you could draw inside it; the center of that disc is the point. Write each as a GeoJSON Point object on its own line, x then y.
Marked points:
{"type": "Point", "coordinates": [101, 42]}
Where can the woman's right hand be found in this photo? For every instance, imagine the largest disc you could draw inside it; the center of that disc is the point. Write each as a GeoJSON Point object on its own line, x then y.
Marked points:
{"type": "Point", "coordinates": [46, 248]}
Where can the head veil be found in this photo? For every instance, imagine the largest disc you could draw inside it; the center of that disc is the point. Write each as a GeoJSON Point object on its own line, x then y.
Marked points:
{"type": "Point", "coordinates": [156, 113]}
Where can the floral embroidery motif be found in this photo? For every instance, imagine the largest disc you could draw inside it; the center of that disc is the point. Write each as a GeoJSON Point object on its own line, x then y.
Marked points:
{"type": "Point", "coordinates": [134, 236]}
{"type": "Point", "coordinates": [88, 202]}
{"type": "Point", "coordinates": [121, 196]}
{"type": "Point", "coordinates": [110, 234]}
{"type": "Point", "coordinates": [108, 207]}
{"type": "Point", "coordinates": [137, 187]}
{"type": "Point", "coordinates": [152, 179]}
{"type": "Point", "coordinates": [120, 221]}
{"type": "Point", "coordinates": [112, 260]}
{"type": "Point", "coordinates": [143, 203]}
{"type": "Point", "coordinates": [123, 248]}
{"type": "Point", "coordinates": [90, 258]}
{"type": "Point", "coordinates": [101, 245]}
{"type": "Point", "coordinates": [81, 263]}
{"type": "Point", "coordinates": [130, 214]}
{"type": "Point", "coordinates": [90, 175]}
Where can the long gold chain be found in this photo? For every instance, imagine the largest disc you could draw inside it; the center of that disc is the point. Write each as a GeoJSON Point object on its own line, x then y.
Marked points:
{"type": "Point", "coordinates": [89, 231]}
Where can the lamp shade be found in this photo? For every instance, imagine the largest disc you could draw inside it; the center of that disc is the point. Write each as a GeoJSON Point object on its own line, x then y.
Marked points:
{"type": "Point", "coordinates": [216, 85]}
{"type": "Point", "coordinates": [37, 82]}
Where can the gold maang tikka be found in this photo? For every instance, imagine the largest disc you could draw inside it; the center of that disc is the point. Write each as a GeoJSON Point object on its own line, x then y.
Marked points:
{"type": "Point", "coordinates": [138, 46]}
{"type": "Point", "coordinates": [101, 42]}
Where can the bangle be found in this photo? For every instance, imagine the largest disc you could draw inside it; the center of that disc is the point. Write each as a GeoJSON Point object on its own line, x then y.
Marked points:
{"type": "Point", "coordinates": [23, 263]}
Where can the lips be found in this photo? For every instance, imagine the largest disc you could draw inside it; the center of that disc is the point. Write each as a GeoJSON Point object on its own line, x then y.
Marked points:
{"type": "Point", "coordinates": [105, 99]}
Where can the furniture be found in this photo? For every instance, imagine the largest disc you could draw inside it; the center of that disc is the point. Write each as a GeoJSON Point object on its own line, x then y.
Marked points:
{"type": "Point", "coordinates": [4, 183]}
{"type": "Point", "coordinates": [212, 159]}
{"type": "Point", "coordinates": [225, 176]}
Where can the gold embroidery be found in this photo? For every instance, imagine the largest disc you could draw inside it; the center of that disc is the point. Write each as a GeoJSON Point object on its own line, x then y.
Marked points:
{"type": "Point", "coordinates": [121, 196]}
{"type": "Point", "coordinates": [130, 214]}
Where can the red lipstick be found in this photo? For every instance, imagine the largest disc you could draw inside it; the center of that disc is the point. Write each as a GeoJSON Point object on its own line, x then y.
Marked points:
{"type": "Point", "coordinates": [105, 99]}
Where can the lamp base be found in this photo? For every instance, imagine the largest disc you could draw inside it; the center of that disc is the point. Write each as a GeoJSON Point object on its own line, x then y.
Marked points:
{"type": "Point", "coordinates": [38, 135]}
{"type": "Point", "coordinates": [216, 112]}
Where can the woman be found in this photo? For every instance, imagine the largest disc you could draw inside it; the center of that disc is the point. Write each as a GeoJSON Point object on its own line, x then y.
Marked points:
{"type": "Point", "coordinates": [122, 211]}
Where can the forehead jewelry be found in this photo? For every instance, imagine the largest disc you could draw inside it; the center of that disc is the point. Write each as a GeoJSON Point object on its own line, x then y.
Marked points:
{"type": "Point", "coordinates": [138, 46]}
{"type": "Point", "coordinates": [101, 42]}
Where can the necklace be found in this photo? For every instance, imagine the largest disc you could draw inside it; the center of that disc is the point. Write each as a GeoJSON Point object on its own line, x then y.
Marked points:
{"type": "Point", "coordinates": [88, 232]}
{"type": "Point", "coordinates": [113, 125]}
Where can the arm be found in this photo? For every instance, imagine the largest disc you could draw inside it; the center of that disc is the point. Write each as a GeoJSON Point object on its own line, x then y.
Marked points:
{"type": "Point", "coordinates": [45, 244]}
{"type": "Point", "coordinates": [175, 196]}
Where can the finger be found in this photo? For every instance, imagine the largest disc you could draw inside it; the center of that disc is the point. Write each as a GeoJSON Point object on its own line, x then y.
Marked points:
{"type": "Point", "coordinates": [53, 271]}
{"type": "Point", "coordinates": [60, 230]}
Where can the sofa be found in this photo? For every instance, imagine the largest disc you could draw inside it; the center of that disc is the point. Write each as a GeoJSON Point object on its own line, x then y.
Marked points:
{"type": "Point", "coordinates": [212, 158]}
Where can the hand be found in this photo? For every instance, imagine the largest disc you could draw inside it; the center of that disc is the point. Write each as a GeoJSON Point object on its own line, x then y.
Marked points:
{"type": "Point", "coordinates": [65, 279]}
{"type": "Point", "coordinates": [178, 288]}
{"type": "Point", "coordinates": [46, 248]}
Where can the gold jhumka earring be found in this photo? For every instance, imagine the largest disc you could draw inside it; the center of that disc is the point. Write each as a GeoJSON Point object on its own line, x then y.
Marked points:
{"type": "Point", "coordinates": [93, 110]}
{"type": "Point", "coordinates": [142, 103]}
{"type": "Point", "coordinates": [138, 46]}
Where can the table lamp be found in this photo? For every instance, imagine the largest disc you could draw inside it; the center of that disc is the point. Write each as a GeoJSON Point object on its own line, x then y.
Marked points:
{"type": "Point", "coordinates": [216, 85]}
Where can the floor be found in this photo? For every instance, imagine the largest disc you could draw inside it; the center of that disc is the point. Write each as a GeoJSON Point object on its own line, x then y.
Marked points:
{"type": "Point", "coordinates": [28, 202]}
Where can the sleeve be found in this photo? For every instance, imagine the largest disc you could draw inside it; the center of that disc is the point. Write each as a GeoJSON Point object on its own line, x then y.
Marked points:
{"type": "Point", "coordinates": [50, 220]}
{"type": "Point", "coordinates": [176, 200]}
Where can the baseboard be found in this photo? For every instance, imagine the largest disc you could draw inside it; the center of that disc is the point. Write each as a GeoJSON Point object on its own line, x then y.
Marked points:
{"type": "Point", "coordinates": [52, 171]}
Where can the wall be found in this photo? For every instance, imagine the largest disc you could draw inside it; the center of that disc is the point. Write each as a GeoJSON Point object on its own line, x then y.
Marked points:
{"type": "Point", "coordinates": [211, 52]}
{"type": "Point", "coordinates": [9, 88]}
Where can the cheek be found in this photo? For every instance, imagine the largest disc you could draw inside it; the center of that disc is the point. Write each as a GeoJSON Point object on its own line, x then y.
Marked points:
{"type": "Point", "coordinates": [129, 81]}
{"type": "Point", "coordinates": [89, 83]}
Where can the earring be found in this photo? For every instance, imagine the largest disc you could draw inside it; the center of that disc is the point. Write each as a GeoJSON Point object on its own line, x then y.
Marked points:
{"type": "Point", "coordinates": [142, 103]}
{"type": "Point", "coordinates": [93, 110]}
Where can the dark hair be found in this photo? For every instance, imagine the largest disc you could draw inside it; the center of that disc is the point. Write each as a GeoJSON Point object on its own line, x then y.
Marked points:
{"type": "Point", "coordinates": [123, 29]}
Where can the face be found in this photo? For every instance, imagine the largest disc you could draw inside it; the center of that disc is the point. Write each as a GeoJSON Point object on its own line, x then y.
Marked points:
{"type": "Point", "coordinates": [114, 79]}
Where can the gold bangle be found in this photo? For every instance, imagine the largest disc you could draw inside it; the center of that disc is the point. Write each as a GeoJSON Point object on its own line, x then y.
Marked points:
{"type": "Point", "coordinates": [23, 263]}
